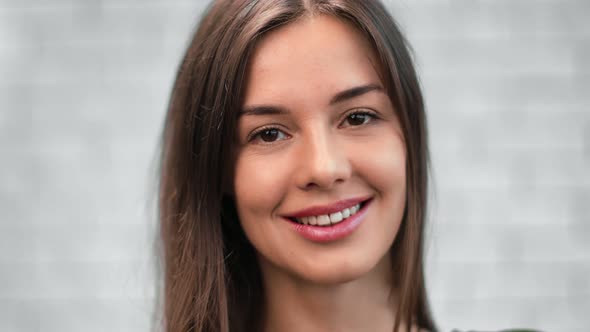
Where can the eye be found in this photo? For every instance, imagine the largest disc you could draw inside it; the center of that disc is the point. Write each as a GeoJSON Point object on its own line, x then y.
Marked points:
{"type": "Point", "coordinates": [359, 118]}
{"type": "Point", "coordinates": [268, 135]}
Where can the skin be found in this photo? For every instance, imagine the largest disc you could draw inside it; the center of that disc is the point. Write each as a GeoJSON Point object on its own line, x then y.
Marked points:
{"type": "Point", "coordinates": [318, 154]}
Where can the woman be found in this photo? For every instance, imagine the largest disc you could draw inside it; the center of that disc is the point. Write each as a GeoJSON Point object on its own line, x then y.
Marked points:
{"type": "Point", "coordinates": [294, 173]}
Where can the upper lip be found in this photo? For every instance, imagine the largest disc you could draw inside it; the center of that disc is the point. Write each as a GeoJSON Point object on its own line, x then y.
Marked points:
{"type": "Point", "coordinates": [318, 210]}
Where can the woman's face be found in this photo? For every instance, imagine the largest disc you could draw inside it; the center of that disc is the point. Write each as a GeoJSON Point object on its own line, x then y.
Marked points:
{"type": "Point", "coordinates": [318, 136]}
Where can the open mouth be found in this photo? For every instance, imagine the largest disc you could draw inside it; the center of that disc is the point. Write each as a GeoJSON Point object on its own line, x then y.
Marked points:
{"type": "Point", "coordinates": [332, 218]}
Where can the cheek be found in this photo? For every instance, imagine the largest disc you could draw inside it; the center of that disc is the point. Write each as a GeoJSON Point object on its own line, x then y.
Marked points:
{"type": "Point", "coordinates": [382, 162]}
{"type": "Point", "coordinates": [259, 185]}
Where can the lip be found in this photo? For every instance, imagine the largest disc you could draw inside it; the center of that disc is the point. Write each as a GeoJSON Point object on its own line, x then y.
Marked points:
{"type": "Point", "coordinates": [331, 233]}
{"type": "Point", "coordinates": [327, 209]}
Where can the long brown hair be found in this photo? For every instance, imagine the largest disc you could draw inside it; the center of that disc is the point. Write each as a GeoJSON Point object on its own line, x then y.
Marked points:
{"type": "Point", "coordinates": [211, 277]}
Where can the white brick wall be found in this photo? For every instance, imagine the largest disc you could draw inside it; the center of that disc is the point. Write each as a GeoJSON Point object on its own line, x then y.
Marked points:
{"type": "Point", "coordinates": [83, 88]}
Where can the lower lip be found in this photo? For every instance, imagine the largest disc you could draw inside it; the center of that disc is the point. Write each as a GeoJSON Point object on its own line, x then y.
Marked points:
{"type": "Point", "coordinates": [332, 232]}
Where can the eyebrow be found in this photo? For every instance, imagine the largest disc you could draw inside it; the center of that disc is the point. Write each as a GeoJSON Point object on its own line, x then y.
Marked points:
{"type": "Point", "coordinates": [354, 92]}
{"type": "Point", "coordinates": [338, 98]}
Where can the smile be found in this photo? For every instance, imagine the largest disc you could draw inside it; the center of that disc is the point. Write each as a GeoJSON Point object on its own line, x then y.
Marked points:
{"type": "Point", "coordinates": [329, 219]}
{"type": "Point", "coordinates": [327, 215]}
{"type": "Point", "coordinates": [330, 222]}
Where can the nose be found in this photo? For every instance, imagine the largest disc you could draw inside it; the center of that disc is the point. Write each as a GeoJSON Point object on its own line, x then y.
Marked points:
{"type": "Point", "coordinates": [323, 162]}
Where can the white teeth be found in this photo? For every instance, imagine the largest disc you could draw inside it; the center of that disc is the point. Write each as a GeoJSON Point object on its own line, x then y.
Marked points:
{"type": "Point", "coordinates": [333, 218]}
{"type": "Point", "coordinates": [345, 213]}
{"type": "Point", "coordinates": [323, 220]}
{"type": "Point", "coordinates": [312, 220]}
{"type": "Point", "coordinates": [336, 217]}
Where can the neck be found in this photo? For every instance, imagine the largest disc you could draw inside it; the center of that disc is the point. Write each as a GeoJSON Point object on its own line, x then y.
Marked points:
{"type": "Point", "coordinates": [365, 304]}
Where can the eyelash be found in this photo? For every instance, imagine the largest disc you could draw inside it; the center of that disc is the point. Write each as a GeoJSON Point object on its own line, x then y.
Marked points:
{"type": "Point", "coordinates": [372, 115]}
{"type": "Point", "coordinates": [256, 134]}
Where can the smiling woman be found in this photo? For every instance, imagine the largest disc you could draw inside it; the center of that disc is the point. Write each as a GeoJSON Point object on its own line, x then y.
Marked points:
{"type": "Point", "coordinates": [294, 173]}
{"type": "Point", "coordinates": [339, 150]}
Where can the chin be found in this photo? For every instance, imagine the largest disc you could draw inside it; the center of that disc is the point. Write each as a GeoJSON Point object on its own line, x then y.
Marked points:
{"type": "Point", "coordinates": [338, 272]}
{"type": "Point", "coordinates": [331, 278]}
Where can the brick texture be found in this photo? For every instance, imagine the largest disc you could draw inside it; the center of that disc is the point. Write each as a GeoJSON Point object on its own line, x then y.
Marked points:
{"type": "Point", "coordinates": [83, 89]}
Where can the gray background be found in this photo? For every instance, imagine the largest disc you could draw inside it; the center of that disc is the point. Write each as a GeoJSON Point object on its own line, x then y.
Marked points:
{"type": "Point", "coordinates": [83, 89]}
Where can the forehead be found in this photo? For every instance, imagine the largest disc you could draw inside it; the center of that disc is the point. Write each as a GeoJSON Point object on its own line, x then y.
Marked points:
{"type": "Point", "coordinates": [310, 58]}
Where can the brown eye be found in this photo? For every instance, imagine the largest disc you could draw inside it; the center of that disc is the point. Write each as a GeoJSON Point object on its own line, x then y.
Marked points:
{"type": "Point", "coordinates": [357, 119]}
{"type": "Point", "coordinates": [268, 135]}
